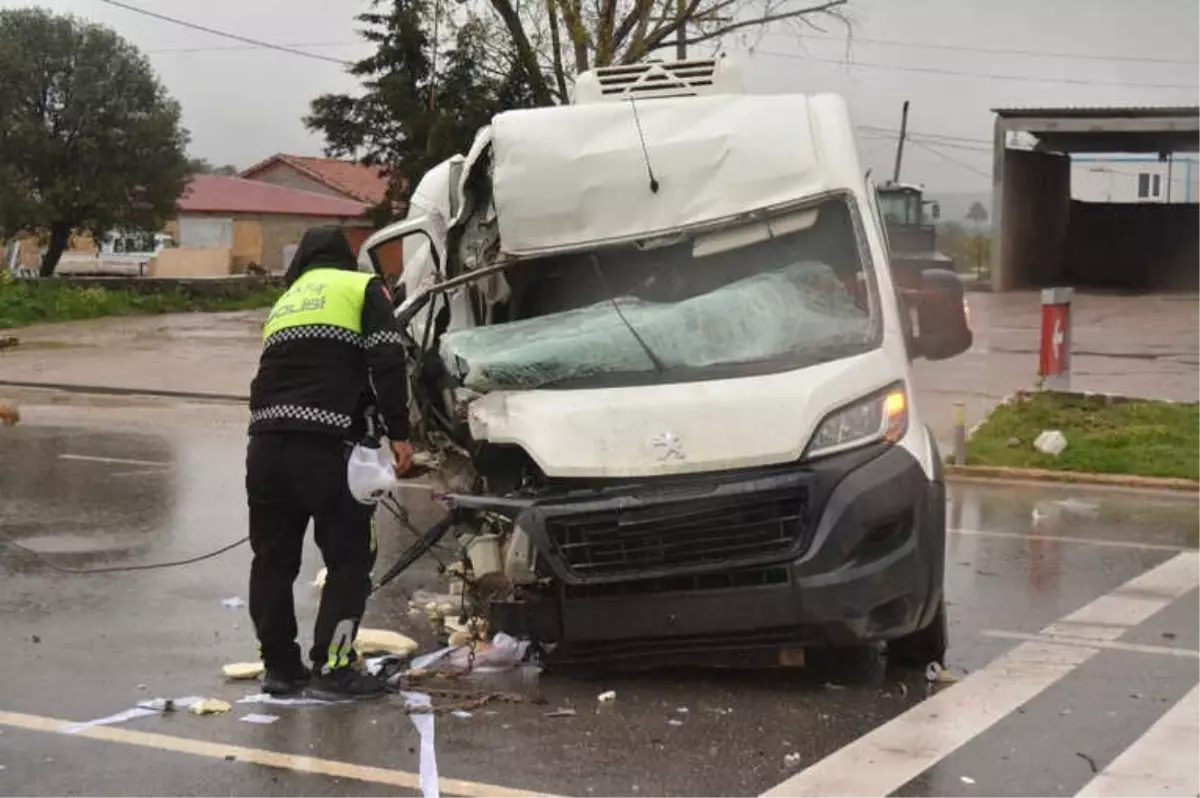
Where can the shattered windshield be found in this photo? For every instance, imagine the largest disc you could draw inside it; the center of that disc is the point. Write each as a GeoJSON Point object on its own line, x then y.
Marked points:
{"type": "Point", "coordinates": [756, 298]}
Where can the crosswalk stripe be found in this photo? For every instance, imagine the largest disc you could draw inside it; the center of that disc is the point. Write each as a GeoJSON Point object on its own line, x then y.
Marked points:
{"type": "Point", "coordinates": [1161, 763]}
{"type": "Point", "coordinates": [883, 760]}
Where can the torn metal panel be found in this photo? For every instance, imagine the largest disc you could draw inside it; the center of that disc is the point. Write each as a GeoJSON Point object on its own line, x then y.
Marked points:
{"type": "Point", "coordinates": [577, 175]}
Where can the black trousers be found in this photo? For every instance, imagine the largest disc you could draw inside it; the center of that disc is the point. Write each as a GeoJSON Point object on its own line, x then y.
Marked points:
{"type": "Point", "coordinates": [292, 477]}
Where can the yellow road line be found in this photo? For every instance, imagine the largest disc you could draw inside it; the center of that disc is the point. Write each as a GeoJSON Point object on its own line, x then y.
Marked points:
{"type": "Point", "coordinates": [258, 756]}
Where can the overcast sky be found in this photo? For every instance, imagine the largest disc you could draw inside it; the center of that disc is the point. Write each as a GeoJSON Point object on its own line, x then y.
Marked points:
{"type": "Point", "coordinates": [242, 105]}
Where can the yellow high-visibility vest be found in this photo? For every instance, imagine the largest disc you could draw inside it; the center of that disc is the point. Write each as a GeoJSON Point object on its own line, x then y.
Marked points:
{"type": "Point", "coordinates": [330, 297]}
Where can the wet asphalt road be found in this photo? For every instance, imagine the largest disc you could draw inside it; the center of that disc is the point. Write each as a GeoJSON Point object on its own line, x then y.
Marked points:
{"type": "Point", "coordinates": [82, 647]}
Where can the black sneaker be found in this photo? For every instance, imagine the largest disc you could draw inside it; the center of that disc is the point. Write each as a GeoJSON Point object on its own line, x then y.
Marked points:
{"type": "Point", "coordinates": [346, 683]}
{"type": "Point", "coordinates": [281, 683]}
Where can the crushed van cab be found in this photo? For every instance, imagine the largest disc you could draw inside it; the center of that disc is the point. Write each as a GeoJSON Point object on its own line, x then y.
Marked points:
{"type": "Point", "coordinates": [662, 373]}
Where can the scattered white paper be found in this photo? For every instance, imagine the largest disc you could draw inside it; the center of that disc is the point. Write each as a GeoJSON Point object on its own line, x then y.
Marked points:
{"type": "Point", "coordinates": [264, 720]}
{"type": "Point", "coordinates": [160, 704]}
{"type": "Point", "coordinates": [283, 701]}
{"type": "Point", "coordinates": [461, 713]}
{"type": "Point", "coordinates": [233, 603]}
{"type": "Point", "coordinates": [120, 717]}
{"type": "Point", "coordinates": [425, 727]}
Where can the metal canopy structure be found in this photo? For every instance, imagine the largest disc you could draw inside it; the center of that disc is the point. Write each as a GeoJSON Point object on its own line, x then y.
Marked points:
{"type": "Point", "coordinates": [1041, 237]}
{"type": "Point", "coordinates": [1095, 130]}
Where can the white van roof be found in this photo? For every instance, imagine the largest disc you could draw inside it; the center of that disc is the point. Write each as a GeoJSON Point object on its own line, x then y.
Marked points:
{"type": "Point", "coordinates": [574, 176]}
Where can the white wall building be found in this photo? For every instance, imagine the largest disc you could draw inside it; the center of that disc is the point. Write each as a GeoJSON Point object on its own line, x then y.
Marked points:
{"type": "Point", "coordinates": [1134, 178]}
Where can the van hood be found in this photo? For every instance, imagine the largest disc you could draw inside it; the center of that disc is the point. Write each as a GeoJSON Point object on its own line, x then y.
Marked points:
{"type": "Point", "coordinates": [677, 428]}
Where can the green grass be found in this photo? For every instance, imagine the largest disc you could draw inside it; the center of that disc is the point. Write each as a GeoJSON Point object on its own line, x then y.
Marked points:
{"type": "Point", "coordinates": [1134, 437]}
{"type": "Point", "coordinates": [24, 302]}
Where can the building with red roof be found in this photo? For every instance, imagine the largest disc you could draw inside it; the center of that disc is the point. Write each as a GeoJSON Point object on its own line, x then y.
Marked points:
{"type": "Point", "coordinates": [346, 179]}
{"type": "Point", "coordinates": [217, 194]}
{"type": "Point", "coordinates": [257, 223]}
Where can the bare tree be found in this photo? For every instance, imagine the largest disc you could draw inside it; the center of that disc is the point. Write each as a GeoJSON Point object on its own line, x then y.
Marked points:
{"type": "Point", "coordinates": [554, 40]}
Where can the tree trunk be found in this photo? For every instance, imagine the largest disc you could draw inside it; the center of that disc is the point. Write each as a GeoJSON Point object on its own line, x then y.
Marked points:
{"type": "Point", "coordinates": [60, 236]}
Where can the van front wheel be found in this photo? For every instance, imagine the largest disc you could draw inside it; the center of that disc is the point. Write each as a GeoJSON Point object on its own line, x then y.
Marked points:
{"type": "Point", "coordinates": [923, 646]}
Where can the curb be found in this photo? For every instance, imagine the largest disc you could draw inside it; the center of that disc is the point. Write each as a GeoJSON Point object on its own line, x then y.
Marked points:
{"type": "Point", "coordinates": [1004, 474]}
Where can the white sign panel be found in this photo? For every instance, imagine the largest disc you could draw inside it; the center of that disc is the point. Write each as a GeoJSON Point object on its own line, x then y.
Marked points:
{"type": "Point", "coordinates": [205, 233]}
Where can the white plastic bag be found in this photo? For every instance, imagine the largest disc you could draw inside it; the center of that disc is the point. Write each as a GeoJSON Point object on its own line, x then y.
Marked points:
{"type": "Point", "coordinates": [371, 474]}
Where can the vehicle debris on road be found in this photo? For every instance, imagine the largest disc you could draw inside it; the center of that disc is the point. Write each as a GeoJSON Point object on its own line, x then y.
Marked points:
{"type": "Point", "coordinates": [262, 720]}
{"type": "Point", "coordinates": [370, 641]}
{"type": "Point", "coordinates": [9, 415]}
{"type": "Point", "coordinates": [936, 673]}
{"type": "Point", "coordinates": [210, 706]}
{"type": "Point", "coordinates": [241, 671]}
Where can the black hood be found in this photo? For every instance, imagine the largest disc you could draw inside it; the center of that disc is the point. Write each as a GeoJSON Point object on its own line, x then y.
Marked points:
{"type": "Point", "coordinates": [324, 248]}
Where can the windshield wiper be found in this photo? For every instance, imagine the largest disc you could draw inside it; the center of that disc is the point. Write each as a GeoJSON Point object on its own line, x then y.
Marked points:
{"type": "Point", "coordinates": [655, 360]}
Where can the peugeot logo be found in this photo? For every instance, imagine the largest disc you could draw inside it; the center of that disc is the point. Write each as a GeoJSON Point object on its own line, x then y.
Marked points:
{"type": "Point", "coordinates": [669, 445]}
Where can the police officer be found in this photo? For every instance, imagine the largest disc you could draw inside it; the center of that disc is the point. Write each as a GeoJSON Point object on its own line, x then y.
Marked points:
{"type": "Point", "coordinates": [331, 348]}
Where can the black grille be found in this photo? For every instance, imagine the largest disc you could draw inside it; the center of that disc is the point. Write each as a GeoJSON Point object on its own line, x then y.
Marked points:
{"type": "Point", "coordinates": [649, 538]}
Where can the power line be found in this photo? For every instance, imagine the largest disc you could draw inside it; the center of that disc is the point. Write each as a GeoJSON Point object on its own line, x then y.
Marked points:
{"type": "Point", "coordinates": [952, 159]}
{"type": "Point", "coordinates": [998, 51]}
{"type": "Point", "coordinates": [954, 145]}
{"type": "Point", "coordinates": [245, 47]}
{"type": "Point", "coordinates": [962, 73]}
{"type": "Point", "coordinates": [938, 136]}
{"type": "Point", "coordinates": [244, 39]}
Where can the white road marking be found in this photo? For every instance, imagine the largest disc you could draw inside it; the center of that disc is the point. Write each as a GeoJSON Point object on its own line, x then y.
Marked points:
{"type": "Point", "coordinates": [1163, 760]}
{"type": "Point", "coordinates": [1121, 544]}
{"type": "Point", "coordinates": [1111, 615]}
{"type": "Point", "coordinates": [1133, 648]}
{"type": "Point", "coordinates": [256, 756]}
{"type": "Point", "coordinates": [120, 460]}
{"type": "Point", "coordinates": [885, 759]}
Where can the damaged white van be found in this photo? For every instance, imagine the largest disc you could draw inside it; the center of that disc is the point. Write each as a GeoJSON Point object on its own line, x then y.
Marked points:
{"type": "Point", "coordinates": [661, 366]}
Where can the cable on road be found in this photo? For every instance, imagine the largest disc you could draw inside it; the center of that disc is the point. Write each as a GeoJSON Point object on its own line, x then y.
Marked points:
{"type": "Point", "coordinates": [122, 568]}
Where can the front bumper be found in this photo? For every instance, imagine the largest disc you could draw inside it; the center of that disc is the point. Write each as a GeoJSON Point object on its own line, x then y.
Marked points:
{"type": "Point", "coordinates": [860, 558]}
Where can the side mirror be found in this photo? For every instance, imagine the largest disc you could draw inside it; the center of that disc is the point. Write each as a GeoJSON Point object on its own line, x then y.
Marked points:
{"type": "Point", "coordinates": [935, 210]}
{"type": "Point", "coordinates": [942, 328]}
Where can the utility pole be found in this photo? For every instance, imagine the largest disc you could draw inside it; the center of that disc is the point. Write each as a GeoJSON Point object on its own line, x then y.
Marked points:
{"type": "Point", "coordinates": [681, 31]}
{"type": "Point", "coordinates": [1170, 163]}
{"type": "Point", "coordinates": [900, 144]}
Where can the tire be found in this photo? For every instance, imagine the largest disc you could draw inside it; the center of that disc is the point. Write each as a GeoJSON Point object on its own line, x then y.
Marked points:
{"type": "Point", "coordinates": [844, 665]}
{"type": "Point", "coordinates": [923, 646]}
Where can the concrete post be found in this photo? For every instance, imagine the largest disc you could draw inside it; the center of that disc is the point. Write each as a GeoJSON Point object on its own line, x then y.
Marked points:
{"type": "Point", "coordinates": [960, 434]}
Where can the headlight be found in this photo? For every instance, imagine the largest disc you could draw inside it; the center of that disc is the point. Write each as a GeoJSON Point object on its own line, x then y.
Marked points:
{"type": "Point", "coordinates": [881, 416]}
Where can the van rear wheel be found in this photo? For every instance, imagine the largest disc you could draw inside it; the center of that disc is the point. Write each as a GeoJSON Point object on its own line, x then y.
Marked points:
{"type": "Point", "coordinates": [923, 646]}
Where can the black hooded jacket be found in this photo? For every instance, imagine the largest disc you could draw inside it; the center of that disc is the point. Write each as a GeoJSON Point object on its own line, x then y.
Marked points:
{"type": "Point", "coordinates": [318, 378]}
